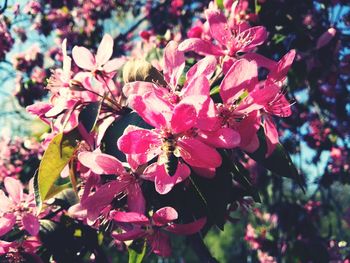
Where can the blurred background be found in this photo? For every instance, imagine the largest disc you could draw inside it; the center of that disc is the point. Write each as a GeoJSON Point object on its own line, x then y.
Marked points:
{"type": "Point", "coordinates": [288, 225]}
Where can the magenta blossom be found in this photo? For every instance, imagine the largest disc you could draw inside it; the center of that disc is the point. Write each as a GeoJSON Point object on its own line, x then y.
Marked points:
{"type": "Point", "coordinates": [239, 110]}
{"type": "Point", "coordinates": [99, 63]}
{"type": "Point", "coordinates": [195, 90]}
{"type": "Point", "coordinates": [173, 132]}
{"type": "Point", "coordinates": [27, 245]}
{"type": "Point", "coordinates": [271, 97]}
{"type": "Point", "coordinates": [230, 41]}
{"type": "Point", "coordinates": [140, 226]}
{"type": "Point", "coordinates": [17, 208]}
{"type": "Point", "coordinates": [126, 183]}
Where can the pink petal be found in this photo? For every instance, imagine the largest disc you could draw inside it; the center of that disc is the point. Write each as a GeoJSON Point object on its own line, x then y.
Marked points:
{"type": "Point", "coordinates": [31, 224]}
{"type": "Point", "coordinates": [65, 172]}
{"type": "Point", "coordinates": [265, 94]}
{"type": "Point", "coordinates": [204, 172]}
{"type": "Point", "coordinates": [208, 118]}
{"type": "Point", "coordinates": [227, 64]}
{"type": "Point", "coordinates": [248, 128]}
{"type": "Point", "coordinates": [164, 216]}
{"type": "Point", "coordinates": [130, 217]}
{"type": "Point", "coordinates": [138, 88]}
{"type": "Point", "coordinates": [199, 102]}
{"type": "Point", "coordinates": [66, 69]}
{"type": "Point", "coordinates": [92, 181]}
{"type": "Point", "coordinates": [136, 200]}
{"type": "Point", "coordinates": [258, 35]}
{"type": "Point", "coordinates": [60, 104]}
{"type": "Point", "coordinates": [39, 108]}
{"type": "Point", "coordinates": [271, 134]}
{"type": "Point", "coordinates": [102, 128]}
{"type": "Point", "coordinates": [326, 37]}
{"type": "Point", "coordinates": [280, 107]}
{"type": "Point", "coordinates": [130, 235]}
{"type": "Point", "coordinates": [139, 141]}
{"type": "Point", "coordinates": [114, 65]}
{"type": "Point", "coordinates": [160, 244]}
{"type": "Point", "coordinates": [5, 247]}
{"type": "Point", "coordinates": [279, 73]}
{"type": "Point", "coordinates": [247, 105]}
{"type": "Point", "coordinates": [152, 109]}
{"type": "Point", "coordinates": [202, 47]}
{"type": "Point", "coordinates": [219, 28]}
{"type": "Point", "coordinates": [187, 229]}
{"type": "Point", "coordinates": [135, 160]}
{"type": "Point", "coordinates": [101, 163]}
{"type": "Point", "coordinates": [198, 154]}
{"type": "Point", "coordinates": [197, 86]}
{"type": "Point", "coordinates": [221, 138]}
{"type": "Point", "coordinates": [5, 202]}
{"type": "Point", "coordinates": [260, 60]}
{"type": "Point", "coordinates": [163, 182]}
{"type": "Point", "coordinates": [83, 58]}
{"type": "Point", "coordinates": [174, 63]}
{"type": "Point", "coordinates": [7, 222]}
{"type": "Point", "coordinates": [77, 211]}
{"type": "Point", "coordinates": [243, 75]}
{"type": "Point", "coordinates": [204, 67]}
{"type": "Point", "coordinates": [67, 121]}
{"type": "Point", "coordinates": [105, 50]}
{"type": "Point", "coordinates": [184, 118]}
{"type": "Point", "coordinates": [102, 197]}
{"type": "Point", "coordinates": [14, 188]}
{"type": "Point", "coordinates": [252, 145]}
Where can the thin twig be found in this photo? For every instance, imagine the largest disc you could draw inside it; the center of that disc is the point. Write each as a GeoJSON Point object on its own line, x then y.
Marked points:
{"type": "Point", "coordinates": [2, 10]}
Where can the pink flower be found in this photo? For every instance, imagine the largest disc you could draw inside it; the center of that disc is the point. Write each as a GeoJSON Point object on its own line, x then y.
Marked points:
{"type": "Point", "coordinates": [28, 245]}
{"type": "Point", "coordinates": [99, 63]}
{"type": "Point", "coordinates": [230, 41]}
{"type": "Point", "coordinates": [61, 77]}
{"type": "Point", "coordinates": [127, 183]}
{"type": "Point", "coordinates": [246, 101]}
{"type": "Point", "coordinates": [140, 226]}
{"type": "Point", "coordinates": [239, 110]}
{"type": "Point", "coordinates": [271, 97]}
{"type": "Point", "coordinates": [173, 135]}
{"type": "Point", "coordinates": [195, 90]}
{"type": "Point", "coordinates": [18, 207]}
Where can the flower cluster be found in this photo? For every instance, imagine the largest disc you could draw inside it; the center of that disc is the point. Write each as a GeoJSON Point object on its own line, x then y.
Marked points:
{"type": "Point", "coordinates": [18, 156]}
{"type": "Point", "coordinates": [6, 39]}
{"type": "Point", "coordinates": [177, 123]}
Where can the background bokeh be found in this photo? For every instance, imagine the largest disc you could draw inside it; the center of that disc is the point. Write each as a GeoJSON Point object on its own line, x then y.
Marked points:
{"type": "Point", "coordinates": [288, 225]}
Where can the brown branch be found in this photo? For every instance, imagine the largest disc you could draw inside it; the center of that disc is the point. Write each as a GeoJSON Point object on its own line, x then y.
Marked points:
{"type": "Point", "coordinates": [2, 10]}
{"type": "Point", "coordinates": [122, 37]}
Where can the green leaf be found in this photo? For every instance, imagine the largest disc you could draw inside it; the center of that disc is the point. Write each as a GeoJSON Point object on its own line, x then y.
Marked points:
{"type": "Point", "coordinates": [66, 198]}
{"type": "Point", "coordinates": [137, 251]}
{"type": "Point", "coordinates": [215, 90]}
{"type": "Point", "coordinates": [220, 4]}
{"type": "Point", "coordinates": [279, 162]}
{"type": "Point", "coordinates": [56, 157]}
{"type": "Point", "coordinates": [241, 175]}
{"type": "Point", "coordinates": [257, 7]}
{"type": "Point", "coordinates": [203, 194]}
{"type": "Point", "coordinates": [89, 114]}
{"type": "Point", "coordinates": [56, 189]}
{"type": "Point", "coordinates": [277, 38]}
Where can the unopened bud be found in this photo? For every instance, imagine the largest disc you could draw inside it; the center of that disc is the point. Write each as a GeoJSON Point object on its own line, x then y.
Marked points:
{"type": "Point", "coordinates": [141, 70]}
